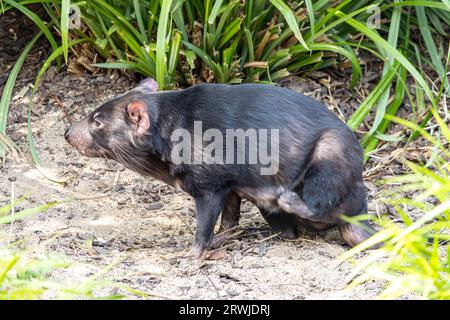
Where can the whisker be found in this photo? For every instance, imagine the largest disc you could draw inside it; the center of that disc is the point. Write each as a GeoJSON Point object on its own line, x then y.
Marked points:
{"type": "Point", "coordinates": [139, 164]}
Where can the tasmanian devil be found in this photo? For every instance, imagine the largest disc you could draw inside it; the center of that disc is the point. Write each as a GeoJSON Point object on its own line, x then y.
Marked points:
{"type": "Point", "coordinates": [314, 175]}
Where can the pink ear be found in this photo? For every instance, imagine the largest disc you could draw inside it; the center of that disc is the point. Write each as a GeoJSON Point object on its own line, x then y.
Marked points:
{"type": "Point", "coordinates": [137, 112]}
{"type": "Point", "coordinates": [149, 84]}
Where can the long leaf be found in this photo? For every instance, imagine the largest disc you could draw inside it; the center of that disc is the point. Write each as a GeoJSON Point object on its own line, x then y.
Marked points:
{"type": "Point", "coordinates": [65, 10]}
{"type": "Point", "coordinates": [161, 42]}
{"type": "Point", "coordinates": [27, 212]}
{"type": "Point", "coordinates": [361, 113]}
{"type": "Point", "coordinates": [392, 51]}
{"type": "Point", "coordinates": [392, 40]}
{"type": "Point", "coordinates": [431, 46]}
{"type": "Point", "coordinates": [9, 86]}
{"type": "Point", "coordinates": [290, 19]}
{"type": "Point", "coordinates": [31, 145]}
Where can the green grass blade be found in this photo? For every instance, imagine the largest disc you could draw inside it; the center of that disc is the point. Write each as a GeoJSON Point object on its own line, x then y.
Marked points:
{"type": "Point", "coordinates": [9, 86]}
{"type": "Point", "coordinates": [208, 60]}
{"type": "Point", "coordinates": [137, 10]}
{"type": "Point", "coordinates": [290, 19]}
{"type": "Point", "coordinates": [356, 67]}
{"type": "Point", "coordinates": [27, 212]}
{"type": "Point", "coordinates": [230, 31]}
{"type": "Point", "coordinates": [361, 113]}
{"type": "Point", "coordinates": [370, 142]}
{"type": "Point", "coordinates": [161, 42]}
{"type": "Point", "coordinates": [215, 11]}
{"type": "Point", "coordinates": [117, 16]}
{"type": "Point", "coordinates": [312, 22]}
{"type": "Point", "coordinates": [431, 46]}
{"type": "Point", "coordinates": [179, 22]}
{"type": "Point", "coordinates": [4, 210]}
{"type": "Point", "coordinates": [125, 65]}
{"type": "Point", "coordinates": [174, 53]}
{"type": "Point", "coordinates": [31, 145]}
{"type": "Point", "coordinates": [65, 10]}
{"type": "Point", "coordinates": [392, 51]}
{"type": "Point", "coordinates": [392, 40]}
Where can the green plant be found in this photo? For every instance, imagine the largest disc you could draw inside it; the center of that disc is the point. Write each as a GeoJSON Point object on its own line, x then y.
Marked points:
{"type": "Point", "coordinates": [180, 42]}
{"type": "Point", "coordinates": [415, 255]}
{"type": "Point", "coordinates": [26, 275]}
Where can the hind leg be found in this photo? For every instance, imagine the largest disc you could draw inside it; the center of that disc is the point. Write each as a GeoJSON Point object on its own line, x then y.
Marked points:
{"type": "Point", "coordinates": [354, 235]}
{"type": "Point", "coordinates": [354, 204]}
{"type": "Point", "coordinates": [283, 223]}
{"type": "Point", "coordinates": [332, 186]}
{"type": "Point", "coordinates": [229, 220]}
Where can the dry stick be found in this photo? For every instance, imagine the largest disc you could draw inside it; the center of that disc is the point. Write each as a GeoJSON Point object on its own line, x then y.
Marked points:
{"type": "Point", "coordinates": [222, 248]}
{"type": "Point", "coordinates": [185, 223]}
{"type": "Point", "coordinates": [116, 179]}
{"type": "Point", "coordinates": [268, 238]}
{"type": "Point", "coordinates": [214, 286]}
{"type": "Point", "coordinates": [60, 104]}
{"type": "Point", "coordinates": [12, 209]}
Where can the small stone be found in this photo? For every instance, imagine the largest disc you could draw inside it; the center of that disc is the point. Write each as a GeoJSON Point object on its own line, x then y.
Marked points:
{"type": "Point", "coordinates": [222, 293]}
{"type": "Point", "coordinates": [119, 188]}
{"type": "Point", "coordinates": [154, 206]}
{"type": "Point", "coordinates": [233, 292]}
{"type": "Point", "coordinates": [122, 201]}
{"type": "Point", "coordinates": [99, 242]}
{"type": "Point", "coordinates": [100, 184]}
{"type": "Point", "coordinates": [85, 175]}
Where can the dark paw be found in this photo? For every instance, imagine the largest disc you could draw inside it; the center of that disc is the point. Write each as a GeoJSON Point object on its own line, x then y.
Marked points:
{"type": "Point", "coordinates": [218, 241]}
{"type": "Point", "coordinates": [196, 253]}
{"type": "Point", "coordinates": [289, 234]}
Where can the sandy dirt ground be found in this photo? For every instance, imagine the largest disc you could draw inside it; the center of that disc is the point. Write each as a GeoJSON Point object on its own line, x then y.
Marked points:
{"type": "Point", "coordinates": [139, 228]}
{"type": "Point", "coordinates": [144, 227]}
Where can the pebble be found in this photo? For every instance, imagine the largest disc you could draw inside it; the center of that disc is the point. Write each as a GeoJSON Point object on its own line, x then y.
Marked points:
{"type": "Point", "coordinates": [119, 188]}
{"type": "Point", "coordinates": [123, 200]}
{"type": "Point", "coordinates": [99, 242]}
{"type": "Point", "coordinates": [154, 206]}
{"type": "Point", "coordinates": [100, 184]}
{"type": "Point", "coordinates": [233, 292]}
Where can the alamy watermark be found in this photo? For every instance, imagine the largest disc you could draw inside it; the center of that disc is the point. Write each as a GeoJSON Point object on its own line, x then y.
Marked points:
{"type": "Point", "coordinates": [230, 146]}
{"type": "Point", "coordinates": [374, 20]}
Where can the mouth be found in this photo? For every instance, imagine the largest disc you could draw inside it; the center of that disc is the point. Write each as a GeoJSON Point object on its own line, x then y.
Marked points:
{"type": "Point", "coordinates": [87, 152]}
{"type": "Point", "coordinates": [91, 153]}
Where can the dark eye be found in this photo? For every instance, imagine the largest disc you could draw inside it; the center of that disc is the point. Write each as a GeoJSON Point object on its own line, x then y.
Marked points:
{"type": "Point", "coordinates": [97, 122]}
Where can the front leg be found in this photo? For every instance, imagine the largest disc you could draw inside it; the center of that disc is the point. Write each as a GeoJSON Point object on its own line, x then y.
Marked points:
{"type": "Point", "coordinates": [230, 219]}
{"type": "Point", "coordinates": [208, 206]}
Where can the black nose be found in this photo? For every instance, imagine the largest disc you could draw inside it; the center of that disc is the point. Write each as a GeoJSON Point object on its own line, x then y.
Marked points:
{"type": "Point", "coordinates": [66, 135]}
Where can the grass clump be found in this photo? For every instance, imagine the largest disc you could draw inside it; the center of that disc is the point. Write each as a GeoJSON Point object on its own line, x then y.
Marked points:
{"type": "Point", "coordinates": [25, 275]}
{"type": "Point", "coordinates": [415, 255]}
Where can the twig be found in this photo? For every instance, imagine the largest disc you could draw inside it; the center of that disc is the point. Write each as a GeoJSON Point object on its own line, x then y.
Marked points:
{"type": "Point", "coordinates": [185, 223]}
{"type": "Point", "coordinates": [12, 179]}
{"type": "Point", "coordinates": [214, 286]}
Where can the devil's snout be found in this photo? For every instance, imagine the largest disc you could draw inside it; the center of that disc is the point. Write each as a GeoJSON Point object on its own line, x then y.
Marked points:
{"type": "Point", "coordinates": [78, 136]}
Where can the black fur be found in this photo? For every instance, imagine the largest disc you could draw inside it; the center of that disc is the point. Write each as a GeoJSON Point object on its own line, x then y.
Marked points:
{"type": "Point", "coordinates": [320, 168]}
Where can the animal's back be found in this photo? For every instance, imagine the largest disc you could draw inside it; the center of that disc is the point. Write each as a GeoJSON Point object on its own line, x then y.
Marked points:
{"type": "Point", "coordinates": [264, 106]}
